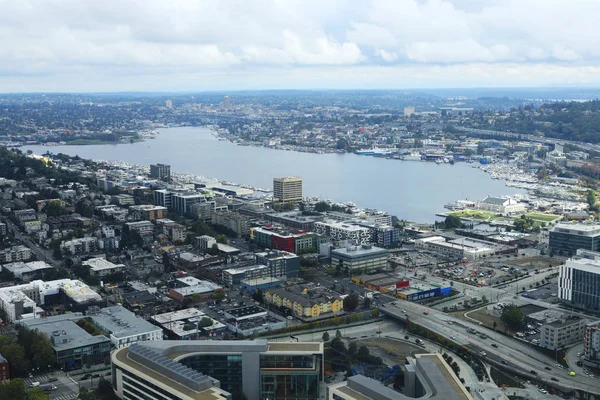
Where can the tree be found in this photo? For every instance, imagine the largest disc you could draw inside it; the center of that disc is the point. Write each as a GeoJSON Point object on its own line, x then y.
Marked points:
{"type": "Point", "coordinates": [36, 393]}
{"type": "Point", "coordinates": [513, 317]}
{"type": "Point", "coordinates": [258, 296]}
{"type": "Point", "coordinates": [338, 334]}
{"type": "Point", "coordinates": [13, 390]}
{"type": "Point", "coordinates": [85, 394]}
{"type": "Point", "coordinates": [591, 198]}
{"type": "Point", "coordinates": [322, 206]}
{"type": "Point", "coordinates": [105, 390]}
{"type": "Point", "coordinates": [452, 222]}
{"type": "Point", "coordinates": [222, 239]}
{"type": "Point", "coordinates": [338, 345]}
{"type": "Point", "coordinates": [367, 302]}
{"type": "Point", "coordinates": [214, 250]}
{"type": "Point", "coordinates": [15, 355]}
{"type": "Point", "coordinates": [42, 352]}
{"type": "Point", "coordinates": [484, 299]}
{"type": "Point", "coordinates": [205, 322]}
{"type": "Point", "coordinates": [351, 302]}
{"type": "Point", "coordinates": [55, 209]}
{"type": "Point", "coordinates": [56, 251]}
{"type": "Point", "coordinates": [325, 336]}
{"type": "Point", "coordinates": [352, 348]}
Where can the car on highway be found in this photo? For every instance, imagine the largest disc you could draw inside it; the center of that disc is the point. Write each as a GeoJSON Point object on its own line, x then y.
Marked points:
{"type": "Point", "coordinates": [53, 379]}
{"type": "Point", "coordinates": [548, 368]}
{"type": "Point", "coordinates": [543, 391]}
{"type": "Point", "coordinates": [494, 345]}
{"type": "Point", "coordinates": [482, 353]}
{"type": "Point", "coordinates": [554, 379]}
{"type": "Point", "coordinates": [533, 371]}
{"type": "Point", "coordinates": [572, 373]}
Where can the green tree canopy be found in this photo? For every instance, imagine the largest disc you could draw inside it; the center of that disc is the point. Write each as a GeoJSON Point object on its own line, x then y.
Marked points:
{"type": "Point", "coordinates": [452, 222]}
{"type": "Point", "coordinates": [513, 317]}
{"type": "Point", "coordinates": [351, 302]}
{"type": "Point", "coordinates": [222, 239]}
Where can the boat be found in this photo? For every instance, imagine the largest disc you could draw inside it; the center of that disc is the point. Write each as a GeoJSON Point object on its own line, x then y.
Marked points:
{"type": "Point", "coordinates": [375, 152]}
{"type": "Point", "coordinates": [439, 161]}
{"type": "Point", "coordinates": [412, 157]}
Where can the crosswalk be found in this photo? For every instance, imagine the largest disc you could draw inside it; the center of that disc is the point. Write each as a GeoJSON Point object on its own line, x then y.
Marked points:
{"type": "Point", "coordinates": [60, 394]}
{"type": "Point", "coordinates": [37, 378]}
{"type": "Point", "coordinates": [70, 396]}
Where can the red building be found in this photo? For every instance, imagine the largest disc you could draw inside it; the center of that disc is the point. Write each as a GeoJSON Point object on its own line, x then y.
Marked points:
{"type": "Point", "coordinates": [280, 242]}
{"type": "Point", "coordinates": [4, 370]}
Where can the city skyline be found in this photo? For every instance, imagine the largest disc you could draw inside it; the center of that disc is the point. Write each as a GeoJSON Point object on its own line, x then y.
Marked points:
{"type": "Point", "coordinates": [229, 45]}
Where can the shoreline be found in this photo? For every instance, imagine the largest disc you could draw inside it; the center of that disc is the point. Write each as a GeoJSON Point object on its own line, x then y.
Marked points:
{"type": "Point", "coordinates": [210, 133]}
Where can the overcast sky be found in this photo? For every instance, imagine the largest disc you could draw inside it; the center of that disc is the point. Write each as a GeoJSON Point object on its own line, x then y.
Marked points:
{"type": "Point", "coordinates": [176, 45]}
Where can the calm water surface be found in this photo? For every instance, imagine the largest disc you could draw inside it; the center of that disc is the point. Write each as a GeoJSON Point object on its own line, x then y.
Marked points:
{"type": "Point", "coordinates": [408, 189]}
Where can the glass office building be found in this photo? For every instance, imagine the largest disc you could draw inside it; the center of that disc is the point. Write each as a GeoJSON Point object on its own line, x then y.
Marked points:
{"type": "Point", "coordinates": [227, 368]}
{"type": "Point", "coordinates": [567, 238]}
{"type": "Point", "coordinates": [290, 376]}
{"type": "Point", "coordinates": [252, 369]}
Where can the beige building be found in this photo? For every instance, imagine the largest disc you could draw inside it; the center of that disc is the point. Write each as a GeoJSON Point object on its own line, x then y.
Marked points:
{"type": "Point", "coordinates": [562, 333]}
{"type": "Point", "coordinates": [287, 189]}
{"type": "Point", "coordinates": [305, 303]}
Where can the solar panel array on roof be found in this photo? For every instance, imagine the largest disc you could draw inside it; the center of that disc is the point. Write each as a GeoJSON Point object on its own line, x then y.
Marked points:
{"type": "Point", "coordinates": [169, 368]}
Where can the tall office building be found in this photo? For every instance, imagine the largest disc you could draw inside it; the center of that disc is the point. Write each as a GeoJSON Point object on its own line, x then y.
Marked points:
{"type": "Point", "coordinates": [160, 171]}
{"type": "Point", "coordinates": [287, 189]}
{"type": "Point", "coordinates": [567, 238]}
{"type": "Point", "coordinates": [253, 369]}
{"type": "Point", "coordinates": [169, 103]}
{"type": "Point", "coordinates": [579, 281]}
{"type": "Point", "coordinates": [226, 102]}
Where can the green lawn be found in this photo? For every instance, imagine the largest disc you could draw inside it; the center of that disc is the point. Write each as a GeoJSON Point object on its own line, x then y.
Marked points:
{"type": "Point", "coordinates": [474, 214]}
{"type": "Point", "coordinates": [542, 217]}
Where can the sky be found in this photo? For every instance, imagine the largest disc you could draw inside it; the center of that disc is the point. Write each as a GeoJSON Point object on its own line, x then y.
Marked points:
{"type": "Point", "coordinates": [189, 45]}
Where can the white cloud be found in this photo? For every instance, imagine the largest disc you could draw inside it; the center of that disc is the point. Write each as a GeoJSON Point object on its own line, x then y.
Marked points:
{"type": "Point", "coordinates": [386, 56]}
{"type": "Point", "coordinates": [370, 35]}
{"type": "Point", "coordinates": [270, 42]}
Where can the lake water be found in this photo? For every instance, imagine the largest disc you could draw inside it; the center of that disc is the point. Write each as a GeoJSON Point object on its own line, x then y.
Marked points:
{"type": "Point", "coordinates": [411, 190]}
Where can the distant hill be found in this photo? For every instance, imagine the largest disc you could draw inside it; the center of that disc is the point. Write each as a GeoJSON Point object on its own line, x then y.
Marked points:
{"type": "Point", "coordinates": [574, 120]}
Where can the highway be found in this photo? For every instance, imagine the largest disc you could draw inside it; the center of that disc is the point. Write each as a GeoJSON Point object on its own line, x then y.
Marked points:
{"type": "Point", "coordinates": [515, 354]}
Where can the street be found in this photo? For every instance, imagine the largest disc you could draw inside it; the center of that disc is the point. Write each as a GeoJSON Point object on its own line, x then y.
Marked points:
{"type": "Point", "coordinates": [515, 354]}
{"type": "Point", "coordinates": [66, 389]}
